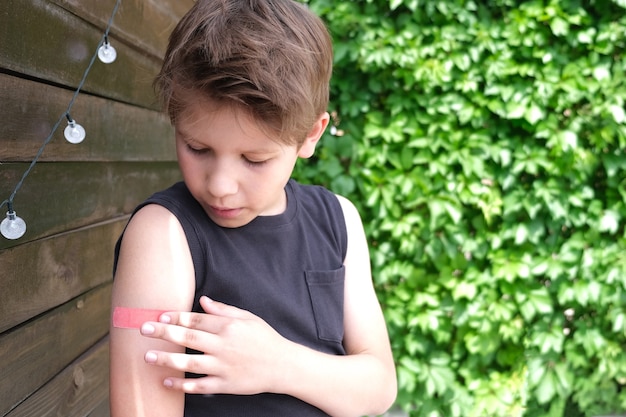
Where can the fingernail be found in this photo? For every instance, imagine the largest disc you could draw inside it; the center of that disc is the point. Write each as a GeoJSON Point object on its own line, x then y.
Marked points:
{"type": "Point", "coordinates": [168, 383]}
{"type": "Point", "coordinates": [207, 298]}
{"type": "Point", "coordinates": [147, 329]}
{"type": "Point", "coordinates": [165, 319]}
{"type": "Point", "coordinates": [150, 357]}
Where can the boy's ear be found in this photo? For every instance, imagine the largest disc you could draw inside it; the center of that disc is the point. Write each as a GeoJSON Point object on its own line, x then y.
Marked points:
{"type": "Point", "coordinates": [308, 146]}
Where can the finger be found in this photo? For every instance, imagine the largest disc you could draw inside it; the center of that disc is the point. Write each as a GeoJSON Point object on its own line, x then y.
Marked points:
{"type": "Point", "coordinates": [212, 323]}
{"type": "Point", "coordinates": [224, 310]}
{"type": "Point", "coordinates": [198, 364]}
{"type": "Point", "coordinates": [190, 320]}
{"type": "Point", "coordinates": [202, 321]}
{"type": "Point", "coordinates": [205, 385]}
{"type": "Point", "coordinates": [198, 339]}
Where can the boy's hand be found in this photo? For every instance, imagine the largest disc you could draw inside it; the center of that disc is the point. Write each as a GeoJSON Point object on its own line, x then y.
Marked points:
{"type": "Point", "coordinates": [242, 353]}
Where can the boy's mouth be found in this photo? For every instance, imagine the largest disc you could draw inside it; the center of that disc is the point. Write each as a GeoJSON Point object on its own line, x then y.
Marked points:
{"type": "Point", "coordinates": [225, 212]}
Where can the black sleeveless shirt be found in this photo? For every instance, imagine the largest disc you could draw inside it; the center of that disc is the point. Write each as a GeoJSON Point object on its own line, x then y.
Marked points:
{"type": "Point", "coordinates": [287, 269]}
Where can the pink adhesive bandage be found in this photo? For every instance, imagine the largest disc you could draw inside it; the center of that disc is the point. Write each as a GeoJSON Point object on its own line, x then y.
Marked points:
{"type": "Point", "coordinates": [133, 318]}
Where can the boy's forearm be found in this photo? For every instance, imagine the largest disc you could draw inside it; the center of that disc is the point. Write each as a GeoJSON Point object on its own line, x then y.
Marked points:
{"type": "Point", "coordinates": [351, 385]}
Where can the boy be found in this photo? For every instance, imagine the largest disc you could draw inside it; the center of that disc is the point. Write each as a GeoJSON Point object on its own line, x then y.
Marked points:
{"type": "Point", "coordinates": [295, 328]}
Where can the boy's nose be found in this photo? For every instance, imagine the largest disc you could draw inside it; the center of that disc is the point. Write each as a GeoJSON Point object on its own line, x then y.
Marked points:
{"type": "Point", "coordinates": [222, 182]}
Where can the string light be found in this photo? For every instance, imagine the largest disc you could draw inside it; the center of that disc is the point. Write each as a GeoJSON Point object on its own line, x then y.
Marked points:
{"type": "Point", "coordinates": [74, 133]}
{"type": "Point", "coordinates": [106, 52]}
{"type": "Point", "coordinates": [14, 227]}
{"type": "Point", "coordinates": [335, 120]}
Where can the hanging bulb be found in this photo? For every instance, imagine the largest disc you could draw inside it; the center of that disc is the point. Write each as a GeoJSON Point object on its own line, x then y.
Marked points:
{"type": "Point", "coordinates": [74, 133]}
{"type": "Point", "coordinates": [106, 52]}
{"type": "Point", "coordinates": [13, 227]}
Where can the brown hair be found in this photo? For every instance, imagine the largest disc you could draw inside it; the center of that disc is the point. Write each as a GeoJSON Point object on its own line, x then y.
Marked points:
{"type": "Point", "coordinates": [271, 58]}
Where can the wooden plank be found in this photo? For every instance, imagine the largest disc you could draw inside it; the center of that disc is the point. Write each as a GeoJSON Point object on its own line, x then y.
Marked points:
{"type": "Point", "coordinates": [174, 7]}
{"type": "Point", "coordinates": [45, 273]}
{"type": "Point", "coordinates": [66, 332]}
{"type": "Point", "coordinates": [115, 131]}
{"type": "Point", "coordinates": [42, 40]}
{"type": "Point", "coordinates": [102, 410]}
{"type": "Point", "coordinates": [58, 197]}
{"type": "Point", "coordinates": [77, 391]}
{"type": "Point", "coordinates": [143, 24]}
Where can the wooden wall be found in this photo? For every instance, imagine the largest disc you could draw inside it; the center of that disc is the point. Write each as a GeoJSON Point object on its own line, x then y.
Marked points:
{"type": "Point", "coordinates": [55, 281]}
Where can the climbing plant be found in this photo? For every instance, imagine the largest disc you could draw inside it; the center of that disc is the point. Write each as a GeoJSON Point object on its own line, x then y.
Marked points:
{"type": "Point", "coordinates": [484, 145]}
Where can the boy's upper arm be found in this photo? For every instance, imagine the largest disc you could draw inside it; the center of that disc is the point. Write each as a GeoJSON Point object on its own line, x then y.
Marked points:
{"type": "Point", "coordinates": [154, 271]}
{"type": "Point", "coordinates": [365, 330]}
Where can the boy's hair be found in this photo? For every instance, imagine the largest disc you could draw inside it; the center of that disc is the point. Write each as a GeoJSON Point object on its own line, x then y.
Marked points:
{"type": "Point", "coordinates": [271, 58]}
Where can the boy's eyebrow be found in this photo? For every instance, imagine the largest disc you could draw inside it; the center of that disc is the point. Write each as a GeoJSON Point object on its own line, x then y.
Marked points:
{"type": "Point", "coordinates": [181, 131]}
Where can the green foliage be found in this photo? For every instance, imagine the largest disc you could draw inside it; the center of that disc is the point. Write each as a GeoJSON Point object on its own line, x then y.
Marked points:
{"type": "Point", "coordinates": [484, 144]}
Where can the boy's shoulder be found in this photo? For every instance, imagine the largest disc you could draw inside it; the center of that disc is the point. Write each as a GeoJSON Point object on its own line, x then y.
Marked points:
{"type": "Point", "coordinates": [324, 210]}
{"type": "Point", "coordinates": [314, 194]}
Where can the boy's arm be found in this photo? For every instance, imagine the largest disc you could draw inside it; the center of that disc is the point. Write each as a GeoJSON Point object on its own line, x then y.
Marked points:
{"type": "Point", "coordinates": [247, 356]}
{"type": "Point", "coordinates": [154, 271]}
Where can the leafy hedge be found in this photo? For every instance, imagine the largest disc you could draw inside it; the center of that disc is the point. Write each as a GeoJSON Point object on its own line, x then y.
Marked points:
{"type": "Point", "coordinates": [484, 143]}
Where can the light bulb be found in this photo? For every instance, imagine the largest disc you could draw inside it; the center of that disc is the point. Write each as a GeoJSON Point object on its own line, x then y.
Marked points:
{"type": "Point", "coordinates": [74, 133]}
{"type": "Point", "coordinates": [13, 227]}
{"type": "Point", "coordinates": [107, 53]}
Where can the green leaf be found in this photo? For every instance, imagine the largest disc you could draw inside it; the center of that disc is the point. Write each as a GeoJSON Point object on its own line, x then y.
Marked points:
{"type": "Point", "coordinates": [521, 234]}
{"type": "Point", "coordinates": [464, 290]}
{"type": "Point", "coordinates": [394, 4]}
{"type": "Point", "coordinates": [601, 73]}
{"type": "Point", "coordinates": [515, 110]}
{"type": "Point", "coordinates": [546, 390]}
{"type": "Point", "coordinates": [568, 140]}
{"type": "Point", "coordinates": [438, 379]}
{"type": "Point", "coordinates": [559, 26]}
{"type": "Point", "coordinates": [618, 114]}
{"type": "Point", "coordinates": [534, 113]}
{"type": "Point", "coordinates": [609, 222]}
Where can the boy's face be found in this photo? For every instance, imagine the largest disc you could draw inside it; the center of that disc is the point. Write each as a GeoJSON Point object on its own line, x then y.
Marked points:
{"type": "Point", "coordinates": [231, 166]}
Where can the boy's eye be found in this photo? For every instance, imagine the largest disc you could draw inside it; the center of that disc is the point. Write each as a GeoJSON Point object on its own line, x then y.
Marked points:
{"type": "Point", "coordinates": [253, 162]}
{"type": "Point", "coordinates": [195, 150]}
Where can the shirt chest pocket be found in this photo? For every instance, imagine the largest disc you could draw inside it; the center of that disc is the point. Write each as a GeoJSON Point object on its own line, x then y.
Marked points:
{"type": "Point", "coordinates": [326, 289]}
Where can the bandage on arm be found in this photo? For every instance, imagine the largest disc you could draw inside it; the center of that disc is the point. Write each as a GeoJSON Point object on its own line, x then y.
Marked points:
{"type": "Point", "coordinates": [133, 318]}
